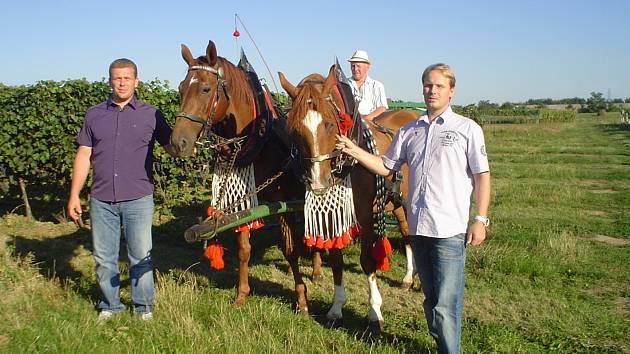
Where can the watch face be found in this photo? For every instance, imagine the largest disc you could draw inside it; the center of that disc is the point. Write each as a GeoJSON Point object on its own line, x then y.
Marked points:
{"type": "Point", "coordinates": [483, 219]}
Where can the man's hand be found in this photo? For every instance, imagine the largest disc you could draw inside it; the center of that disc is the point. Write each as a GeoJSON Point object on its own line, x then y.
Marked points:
{"type": "Point", "coordinates": [74, 208]}
{"type": "Point", "coordinates": [476, 233]}
{"type": "Point", "coordinates": [346, 145]}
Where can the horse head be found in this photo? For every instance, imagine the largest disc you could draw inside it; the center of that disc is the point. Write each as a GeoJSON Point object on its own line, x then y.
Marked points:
{"type": "Point", "coordinates": [313, 124]}
{"type": "Point", "coordinates": [214, 91]}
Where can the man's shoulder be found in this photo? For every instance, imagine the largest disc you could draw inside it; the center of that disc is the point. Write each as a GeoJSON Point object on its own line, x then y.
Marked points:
{"type": "Point", "coordinates": [460, 119]}
{"type": "Point", "coordinates": [370, 81]}
{"type": "Point", "coordinates": [96, 110]}
{"type": "Point", "coordinates": [99, 106]}
{"type": "Point", "coordinates": [410, 125]}
{"type": "Point", "coordinates": [141, 105]}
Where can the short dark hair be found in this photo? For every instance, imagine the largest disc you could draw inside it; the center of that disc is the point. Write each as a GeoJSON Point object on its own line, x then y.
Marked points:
{"type": "Point", "coordinates": [123, 63]}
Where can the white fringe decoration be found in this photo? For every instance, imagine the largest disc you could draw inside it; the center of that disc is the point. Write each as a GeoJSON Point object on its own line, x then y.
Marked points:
{"type": "Point", "coordinates": [331, 214]}
{"type": "Point", "coordinates": [240, 182]}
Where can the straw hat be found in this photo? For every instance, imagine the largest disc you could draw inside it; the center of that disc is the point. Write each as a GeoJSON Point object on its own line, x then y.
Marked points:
{"type": "Point", "coordinates": [360, 56]}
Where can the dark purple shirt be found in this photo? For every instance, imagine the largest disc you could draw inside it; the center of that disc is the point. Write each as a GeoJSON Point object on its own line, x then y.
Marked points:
{"type": "Point", "coordinates": [122, 148]}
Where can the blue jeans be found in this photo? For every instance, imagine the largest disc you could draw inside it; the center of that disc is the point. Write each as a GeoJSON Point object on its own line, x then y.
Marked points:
{"type": "Point", "coordinates": [440, 264]}
{"type": "Point", "coordinates": [135, 218]}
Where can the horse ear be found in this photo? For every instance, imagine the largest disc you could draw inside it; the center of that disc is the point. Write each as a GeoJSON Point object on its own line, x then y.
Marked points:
{"type": "Point", "coordinates": [188, 58]}
{"type": "Point", "coordinates": [211, 53]}
{"type": "Point", "coordinates": [331, 80]}
{"type": "Point", "coordinates": [287, 86]}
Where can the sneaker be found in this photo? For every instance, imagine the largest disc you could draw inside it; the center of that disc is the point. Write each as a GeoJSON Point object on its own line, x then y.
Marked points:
{"type": "Point", "coordinates": [146, 316]}
{"type": "Point", "coordinates": [105, 315]}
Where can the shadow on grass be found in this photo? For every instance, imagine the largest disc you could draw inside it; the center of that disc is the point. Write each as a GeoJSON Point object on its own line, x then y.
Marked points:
{"type": "Point", "coordinates": [67, 257]}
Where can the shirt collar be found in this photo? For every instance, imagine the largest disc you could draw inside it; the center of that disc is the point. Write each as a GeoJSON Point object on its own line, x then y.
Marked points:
{"type": "Point", "coordinates": [446, 115]}
{"type": "Point", "coordinates": [133, 103]}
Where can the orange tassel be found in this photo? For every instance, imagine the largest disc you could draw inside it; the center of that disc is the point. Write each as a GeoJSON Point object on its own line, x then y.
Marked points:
{"type": "Point", "coordinates": [309, 241]}
{"type": "Point", "coordinates": [214, 254]}
{"type": "Point", "coordinates": [319, 243]}
{"type": "Point", "coordinates": [209, 211]}
{"type": "Point", "coordinates": [380, 250]}
{"type": "Point", "coordinates": [383, 266]}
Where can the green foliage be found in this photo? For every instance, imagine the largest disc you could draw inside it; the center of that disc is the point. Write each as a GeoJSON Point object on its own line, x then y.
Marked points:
{"type": "Point", "coordinates": [39, 123]}
{"type": "Point", "coordinates": [596, 103]}
{"type": "Point", "coordinates": [551, 277]}
{"type": "Point", "coordinates": [549, 115]}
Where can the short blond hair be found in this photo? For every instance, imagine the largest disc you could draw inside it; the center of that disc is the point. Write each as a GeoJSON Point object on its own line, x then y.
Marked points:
{"type": "Point", "coordinates": [123, 63]}
{"type": "Point", "coordinates": [444, 69]}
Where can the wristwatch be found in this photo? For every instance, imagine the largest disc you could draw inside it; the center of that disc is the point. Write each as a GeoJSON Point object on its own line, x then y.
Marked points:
{"type": "Point", "coordinates": [483, 219]}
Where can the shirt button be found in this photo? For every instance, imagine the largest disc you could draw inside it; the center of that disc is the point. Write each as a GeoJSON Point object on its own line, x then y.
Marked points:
{"type": "Point", "coordinates": [115, 174]}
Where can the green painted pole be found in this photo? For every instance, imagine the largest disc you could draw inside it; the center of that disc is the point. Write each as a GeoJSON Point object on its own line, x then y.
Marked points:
{"type": "Point", "coordinates": [211, 227]}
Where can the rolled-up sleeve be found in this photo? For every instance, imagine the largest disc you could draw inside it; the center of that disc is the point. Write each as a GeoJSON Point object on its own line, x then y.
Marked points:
{"type": "Point", "coordinates": [396, 154]}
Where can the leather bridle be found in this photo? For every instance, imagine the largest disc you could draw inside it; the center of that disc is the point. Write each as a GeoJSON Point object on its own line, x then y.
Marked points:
{"type": "Point", "coordinates": [212, 108]}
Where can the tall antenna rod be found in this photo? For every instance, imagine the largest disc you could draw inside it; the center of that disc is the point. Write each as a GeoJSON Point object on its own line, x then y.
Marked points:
{"type": "Point", "coordinates": [258, 50]}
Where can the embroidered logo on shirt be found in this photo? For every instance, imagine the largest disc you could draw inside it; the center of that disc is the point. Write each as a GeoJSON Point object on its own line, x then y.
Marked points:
{"type": "Point", "coordinates": [483, 150]}
{"type": "Point", "coordinates": [448, 138]}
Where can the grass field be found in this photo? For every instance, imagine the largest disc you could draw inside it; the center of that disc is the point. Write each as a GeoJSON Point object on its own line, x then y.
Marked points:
{"type": "Point", "coordinates": [553, 275]}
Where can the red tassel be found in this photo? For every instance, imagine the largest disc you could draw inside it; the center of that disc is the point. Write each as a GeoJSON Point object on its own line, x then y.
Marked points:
{"type": "Point", "coordinates": [214, 254]}
{"type": "Point", "coordinates": [209, 211]}
{"type": "Point", "coordinates": [319, 243]}
{"type": "Point", "coordinates": [380, 250]}
{"type": "Point", "coordinates": [309, 241]}
{"type": "Point", "coordinates": [383, 266]}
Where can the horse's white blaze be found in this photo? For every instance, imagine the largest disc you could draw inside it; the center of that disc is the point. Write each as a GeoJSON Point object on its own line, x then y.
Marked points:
{"type": "Point", "coordinates": [374, 313]}
{"type": "Point", "coordinates": [192, 81]}
{"type": "Point", "coordinates": [411, 267]}
{"type": "Point", "coordinates": [339, 299]}
{"type": "Point", "coordinates": [312, 120]}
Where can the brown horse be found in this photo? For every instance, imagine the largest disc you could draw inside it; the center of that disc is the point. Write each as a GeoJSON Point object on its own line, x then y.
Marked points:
{"type": "Point", "coordinates": [216, 96]}
{"type": "Point", "coordinates": [313, 121]}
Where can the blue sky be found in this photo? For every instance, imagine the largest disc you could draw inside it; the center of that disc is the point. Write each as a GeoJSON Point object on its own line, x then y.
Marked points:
{"type": "Point", "coordinates": [500, 50]}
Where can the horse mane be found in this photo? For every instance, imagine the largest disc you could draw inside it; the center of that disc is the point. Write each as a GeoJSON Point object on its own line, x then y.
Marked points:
{"type": "Point", "coordinates": [239, 88]}
{"type": "Point", "coordinates": [309, 97]}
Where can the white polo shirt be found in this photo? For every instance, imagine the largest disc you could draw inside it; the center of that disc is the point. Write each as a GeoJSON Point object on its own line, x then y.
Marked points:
{"type": "Point", "coordinates": [442, 158]}
{"type": "Point", "coordinates": [371, 95]}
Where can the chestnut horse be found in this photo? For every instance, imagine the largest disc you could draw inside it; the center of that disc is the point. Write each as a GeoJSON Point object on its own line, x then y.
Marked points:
{"type": "Point", "coordinates": [216, 96]}
{"type": "Point", "coordinates": [313, 121]}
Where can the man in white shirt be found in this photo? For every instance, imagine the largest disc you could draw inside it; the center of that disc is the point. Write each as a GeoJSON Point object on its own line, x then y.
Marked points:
{"type": "Point", "coordinates": [368, 92]}
{"type": "Point", "coordinates": [447, 161]}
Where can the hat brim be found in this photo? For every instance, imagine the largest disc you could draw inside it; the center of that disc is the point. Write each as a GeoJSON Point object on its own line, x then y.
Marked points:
{"type": "Point", "coordinates": [358, 60]}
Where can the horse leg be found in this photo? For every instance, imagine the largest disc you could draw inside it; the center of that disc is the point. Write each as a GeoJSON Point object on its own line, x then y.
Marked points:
{"type": "Point", "coordinates": [291, 253]}
{"type": "Point", "coordinates": [339, 295]}
{"type": "Point", "coordinates": [368, 264]}
{"type": "Point", "coordinates": [244, 253]}
{"type": "Point", "coordinates": [316, 275]}
{"type": "Point", "coordinates": [403, 227]}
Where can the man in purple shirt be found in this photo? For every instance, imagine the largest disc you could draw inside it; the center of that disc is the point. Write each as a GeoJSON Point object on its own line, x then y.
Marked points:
{"type": "Point", "coordinates": [117, 140]}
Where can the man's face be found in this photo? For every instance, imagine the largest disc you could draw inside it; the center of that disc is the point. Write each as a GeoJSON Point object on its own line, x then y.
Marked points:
{"type": "Point", "coordinates": [437, 91]}
{"type": "Point", "coordinates": [123, 82]}
{"type": "Point", "coordinates": [359, 70]}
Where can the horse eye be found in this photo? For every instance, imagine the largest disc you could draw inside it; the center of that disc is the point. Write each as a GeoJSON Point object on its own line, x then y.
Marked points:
{"type": "Point", "coordinates": [205, 90]}
{"type": "Point", "coordinates": [329, 126]}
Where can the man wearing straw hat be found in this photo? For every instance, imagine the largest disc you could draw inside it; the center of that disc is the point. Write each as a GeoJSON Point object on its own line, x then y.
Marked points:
{"type": "Point", "coordinates": [369, 93]}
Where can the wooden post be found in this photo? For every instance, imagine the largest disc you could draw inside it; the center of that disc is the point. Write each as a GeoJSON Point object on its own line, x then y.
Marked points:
{"type": "Point", "coordinates": [27, 206]}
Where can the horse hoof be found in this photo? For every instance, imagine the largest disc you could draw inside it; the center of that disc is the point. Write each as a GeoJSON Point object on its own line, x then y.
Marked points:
{"type": "Point", "coordinates": [317, 278]}
{"type": "Point", "coordinates": [239, 302]}
{"type": "Point", "coordinates": [376, 327]}
{"type": "Point", "coordinates": [301, 311]}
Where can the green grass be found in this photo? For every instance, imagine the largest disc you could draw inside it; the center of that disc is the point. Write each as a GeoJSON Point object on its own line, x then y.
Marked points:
{"type": "Point", "coordinates": [542, 282]}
